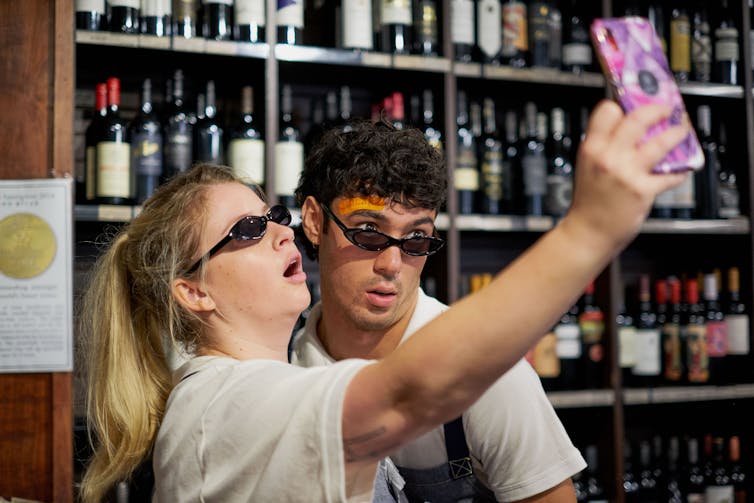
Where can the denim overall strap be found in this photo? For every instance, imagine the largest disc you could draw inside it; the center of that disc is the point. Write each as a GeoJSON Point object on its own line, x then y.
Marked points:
{"type": "Point", "coordinates": [459, 460]}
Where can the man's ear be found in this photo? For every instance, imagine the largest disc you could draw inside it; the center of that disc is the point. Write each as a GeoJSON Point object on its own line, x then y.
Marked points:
{"type": "Point", "coordinates": [312, 220]}
{"type": "Point", "coordinates": [191, 296]}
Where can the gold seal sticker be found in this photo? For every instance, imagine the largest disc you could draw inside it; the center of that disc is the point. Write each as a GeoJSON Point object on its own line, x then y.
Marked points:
{"type": "Point", "coordinates": [371, 203]}
{"type": "Point", "coordinates": [27, 246]}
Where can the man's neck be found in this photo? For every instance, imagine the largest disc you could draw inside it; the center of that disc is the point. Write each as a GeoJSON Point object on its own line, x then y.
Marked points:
{"type": "Point", "coordinates": [355, 343]}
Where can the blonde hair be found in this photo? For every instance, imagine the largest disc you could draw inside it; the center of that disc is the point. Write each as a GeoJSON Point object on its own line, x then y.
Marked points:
{"type": "Point", "coordinates": [129, 316]}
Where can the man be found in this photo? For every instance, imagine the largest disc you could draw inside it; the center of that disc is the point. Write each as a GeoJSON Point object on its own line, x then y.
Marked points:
{"type": "Point", "coordinates": [369, 198]}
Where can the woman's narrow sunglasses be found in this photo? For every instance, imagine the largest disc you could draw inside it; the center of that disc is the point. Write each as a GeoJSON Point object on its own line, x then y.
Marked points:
{"type": "Point", "coordinates": [248, 228]}
{"type": "Point", "coordinates": [372, 240]}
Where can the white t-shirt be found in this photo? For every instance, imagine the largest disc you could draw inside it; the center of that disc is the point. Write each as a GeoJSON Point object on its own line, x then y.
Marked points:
{"type": "Point", "coordinates": [254, 430]}
{"type": "Point", "coordinates": [517, 443]}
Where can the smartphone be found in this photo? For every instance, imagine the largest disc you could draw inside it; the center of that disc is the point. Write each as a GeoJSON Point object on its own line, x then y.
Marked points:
{"type": "Point", "coordinates": [638, 73]}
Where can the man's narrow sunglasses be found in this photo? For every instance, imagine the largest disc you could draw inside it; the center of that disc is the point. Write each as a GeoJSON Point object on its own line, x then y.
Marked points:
{"type": "Point", "coordinates": [246, 229]}
{"type": "Point", "coordinates": [372, 240]}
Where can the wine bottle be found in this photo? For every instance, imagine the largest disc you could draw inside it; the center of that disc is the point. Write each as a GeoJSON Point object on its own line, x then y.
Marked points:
{"type": "Point", "coordinates": [701, 45]}
{"type": "Point", "coordinates": [648, 484]}
{"type": "Point", "coordinates": [216, 19]}
{"type": "Point", "coordinates": [462, 29]}
{"type": "Point", "coordinates": [345, 109]}
{"type": "Point", "coordinates": [717, 331]}
{"type": "Point", "coordinates": [656, 17]}
{"type": "Point", "coordinates": [90, 14]}
{"type": "Point", "coordinates": [694, 483]}
{"type": "Point", "coordinates": [208, 133]}
{"type": "Point", "coordinates": [178, 132]}
{"type": "Point", "coordinates": [594, 486]}
{"type": "Point", "coordinates": [544, 359]}
{"type": "Point", "coordinates": [114, 175]}
{"type": "Point", "coordinates": [577, 49]}
{"type": "Point", "coordinates": [426, 42]}
{"type": "Point", "coordinates": [630, 475]}
{"type": "Point", "coordinates": [694, 333]}
{"type": "Point", "coordinates": [555, 31]}
{"type": "Point", "coordinates": [489, 30]}
{"type": "Point", "coordinates": [569, 350]}
{"type": "Point", "coordinates": [184, 18]}
{"type": "Point", "coordinates": [289, 152]}
{"type": "Point", "coordinates": [249, 21]}
{"type": "Point", "coordinates": [515, 47]}
{"type": "Point", "coordinates": [708, 179]}
{"type": "Point", "coordinates": [728, 194]}
{"type": "Point", "coordinates": [331, 109]}
{"type": "Point", "coordinates": [123, 16]}
{"type": "Point", "coordinates": [290, 22]}
{"type": "Point", "coordinates": [719, 486]}
{"type": "Point", "coordinates": [246, 146]}
{"type": "Point", "coordinates": [395, 26]}
{"type": "Point", "coordinates": [592, 326]}
{"type": "Point", "coordinates": [465, 174]}
{"type": "Point", "coordinates": [356, 25]}
{"type": "Point", "coordinates": [737, 470]}
{"type": "Point", "coordinates": [429, 126]}
{"type": "Point", "coordinates": [680, 42]}
{"type": "Point", "coordinates": [738, 360]}
{"type": "Point", "coordinates": [87, 184]}
{"type": "Point", "coordinates": [672, 483]}
{"type": "Point", "coordinates": [726, 48]}
{"type": "Point", "coordinates": [398, 115]}
{"type": "Point", "coordinates": [317, 124]}
{"type": "Point", "coordinates": [155, 17]}
{"type": "Point", "coordinates": [560, 168]}
{"type": "Point", "coordinates": [648, 366]}
{"type": "Point", "coordinates": [624, 323]}
{"type": "Point", "coordinates": [513, 187]}
{"type": "Point", "coordinates": [491, 161]}
{"type": "Point", "coordinates": [534, 160]}
{"type": "Point", "coordinates": [146, 146]}
{"type": "Point", "coordinates": [671, 336]}
{"type": "Point", "coordinates": [539, 33]}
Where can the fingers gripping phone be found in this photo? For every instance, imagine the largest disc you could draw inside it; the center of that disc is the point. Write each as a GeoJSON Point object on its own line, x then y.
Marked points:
{"type": "Point", "coordinates": [638, 73]}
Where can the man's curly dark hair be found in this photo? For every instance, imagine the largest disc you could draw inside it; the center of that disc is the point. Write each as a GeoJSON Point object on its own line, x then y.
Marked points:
{"type": "Point", "coordinates": [373, 159]}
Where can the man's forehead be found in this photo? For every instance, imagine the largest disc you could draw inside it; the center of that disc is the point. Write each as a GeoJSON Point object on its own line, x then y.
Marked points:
{"type": "Point", "coordinates": [349, 205]}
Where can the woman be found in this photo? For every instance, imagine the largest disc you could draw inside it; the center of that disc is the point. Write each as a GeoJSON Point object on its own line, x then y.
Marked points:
{"type": "Point", "coordinates": [209, 267]}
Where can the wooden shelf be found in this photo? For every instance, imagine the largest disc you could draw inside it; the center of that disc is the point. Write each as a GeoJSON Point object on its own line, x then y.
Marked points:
{"type": "Point", "coordinates": [680, 394]}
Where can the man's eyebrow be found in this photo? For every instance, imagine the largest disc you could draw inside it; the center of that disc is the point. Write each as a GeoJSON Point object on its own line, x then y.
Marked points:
{"type": "Point", "coordinates": [379, 216]}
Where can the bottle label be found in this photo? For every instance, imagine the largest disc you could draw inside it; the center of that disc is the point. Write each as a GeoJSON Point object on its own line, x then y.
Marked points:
{"type": "Point", "coordinates": [538, 29]}
{"type": "Point", "coordinates": [289, 163]}
{"type": "Point", "coordinates": [671, 349]}
{"type": "Point", "coordinates": [559, 194]}
{"type": "Point", "coordinates": [718, 494]}
{"type": "Point", "coordinates": [155, 8]}
{"type": "Point", "coordinates": [395, 12]}
{"type": "Point", "coordinates": [697, 361]}
{"type": "Point", "coordinates": [246, 157]}
{"type": "Point", "coordinates": [626, 347]}
{"type": "Point", "coordinates": [249, 12]}
{"type": "Point", "coordinates": [290, 13]}
{"type": "Point", "coordinates": [680, 45]}
{"type": "Point", "coordinates": [729, 202]}
{"type": "Point", "coordinates": [113, 169]}
{"type": "Point", "coordinates": [514, 28]}
{"type": "Point", "coordinates": [684, 195]}
{"type": "Point", "coordinates": [726, 45]}
{"type": "Point", "coordinates": [648, 362]}
{"type": "Point", "coordinates": [146, 154]}
{"type": "Point", "coordinates": [462, 22]}
{"type": "Point", "coordinates": [555, 29]}
{"type": "Point", "coordinates": [90, 6]}
{"type": "Point", "coordinates": [229, 3]}
{"type": "Point", "coordinates": [132, 4]}
{"type": "Point", "coordinates": [492, 175]}
{"type": "Point", "coordinates": [428, 23]}
{"type": "Point", "coordinates": [489, 27]}
{"type": "Point", "coordinates": [717, 339]}
{"type": "Point", "coordinates": [738, 334]}
{"type": "Point", "coordinates": [577, 54]}
{"type": "Point", "coordinates": [545, 358]}
{"type": "Point", "coordinates": [592, 325]}
{"type": "Point", "coordinates": [357, 24]}
{"type": "Point", "coordinates": [466, 176]}
{"type": "Point", "coordinates": [91, 167]}
{"type": "Point", "coordinates": [695, 498]}
{"type": "Point", "coordinates": [178, 147]}
{"type": "Point", "coordinates": [568, 341]}
{"type": "Point", "coordinates": [535, 174]}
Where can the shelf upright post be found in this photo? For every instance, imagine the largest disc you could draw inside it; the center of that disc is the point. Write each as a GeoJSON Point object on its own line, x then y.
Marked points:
{"type": "Point", "coordinates": [271, 99]}
{"type": "Point", "coordinates": [749, 107]}
{"type": "Point", "coordinates": [450, 91]}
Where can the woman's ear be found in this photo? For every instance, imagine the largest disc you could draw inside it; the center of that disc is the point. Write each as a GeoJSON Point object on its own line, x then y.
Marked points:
{"type": "Point", "coordinates": [311, 220]}
{"type": "Point", "coordinates": [191, 296]}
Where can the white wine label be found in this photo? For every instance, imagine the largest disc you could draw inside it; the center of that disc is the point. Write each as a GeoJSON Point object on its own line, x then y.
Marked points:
{"type": "Point", "coordinates": [569, 341]}
{"type": "Point", "coordinates": [290, 13]}
{"type": "Point", "coordinates": [466, 179]}
{"type": "Point", "coordinates": [223, 2]}
{"type": "Point", "coordinates": [535, 174]}
{"type": "Point", "coordinates": [357, 24]}
{"type": "Point", "coordinates": [648, 361]}
{"type": "Point", "coordinates": [395, 12]}
{"type": "Point", "coordinates": [155, 8]}
{"type": "Point", "coordinates": [134, 4]}
{"type": "Point", "coordinates": [113, 169]}
{"type": "Point", "coordinates": [626, 347]}
{"type": "Point", "coordinates": [246, 157]}
{"type": "Point", "coordinates": [719, 494]}
{"type": "Point", "coordinates": [249, 12]}
{"type": "Point", "coordinates": [90, 6]}
{"type": "Point", "coordinates": [738, 334]}
{"type": "Point", "coordinates": [462, 22]}
{"type": "Point", "coordinates": [289, 162]}
{"type": "Point", "coordinates": [577, 54]}
{"type": "Point", "coordinates": [489, 27]}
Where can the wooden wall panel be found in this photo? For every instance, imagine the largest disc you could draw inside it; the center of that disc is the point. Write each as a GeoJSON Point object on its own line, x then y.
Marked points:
{"type": "Point", "coordinates": [36, 96]}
